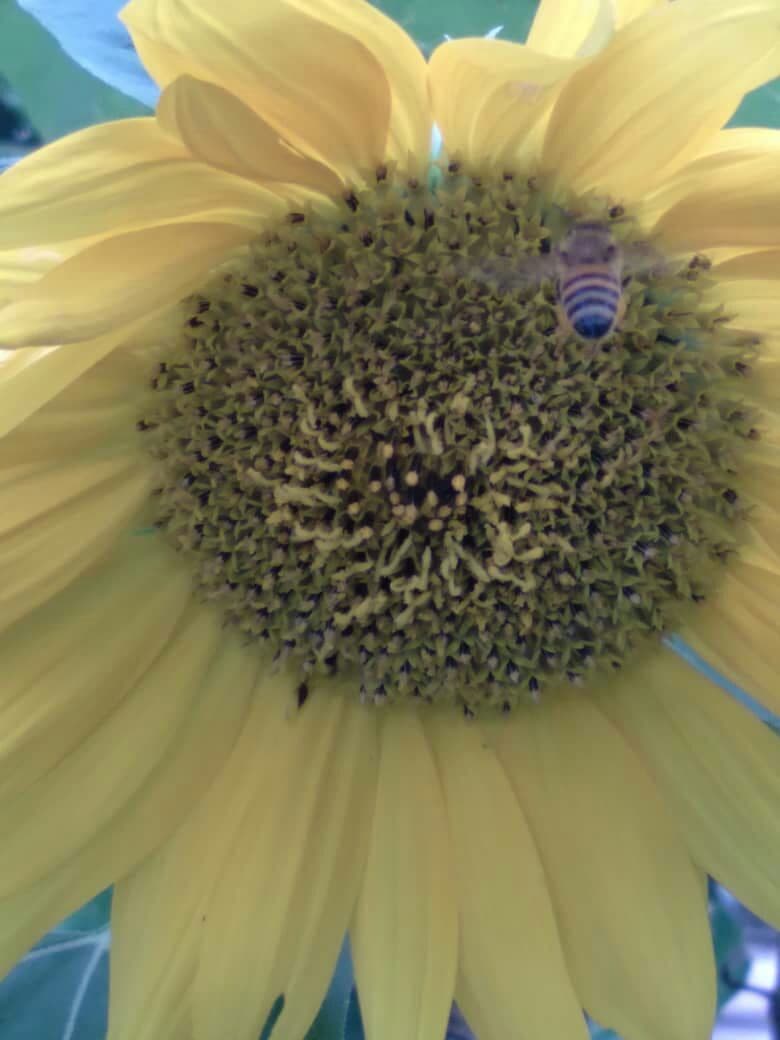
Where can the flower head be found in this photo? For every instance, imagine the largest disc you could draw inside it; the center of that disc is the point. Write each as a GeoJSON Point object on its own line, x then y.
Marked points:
{"type": "Point", "coordinates": [351, 499]}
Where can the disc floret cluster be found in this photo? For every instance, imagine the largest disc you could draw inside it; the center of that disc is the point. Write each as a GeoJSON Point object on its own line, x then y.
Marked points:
{"type": "Point", "coordinates": [380, 463]}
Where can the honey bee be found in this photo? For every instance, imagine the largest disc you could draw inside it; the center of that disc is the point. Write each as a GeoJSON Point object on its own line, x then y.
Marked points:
{"type": "Point", "coordinates": [590, 270]}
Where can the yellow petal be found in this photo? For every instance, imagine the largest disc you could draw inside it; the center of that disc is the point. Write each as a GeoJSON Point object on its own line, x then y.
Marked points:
{"type": "Point", "coordinates": [721, 155]}
{"type": "Point", "coordinates": [572, 28]}
{"type": "Point", "coordinates": [57, 814]}
{"type": "Point", "coordinates": [171, 784]}
{"type": "Point", "coordinates": [753, 302]}
{"type": "Point", "coordinates": [281, 845]}
{"type": "Point", "coordinates": [762, 264]}
{"type": "Point", "coordinates": [119, 177]}
{"type": "Point", "coordinates": [627, 10]}
{"type": "Point", "coordinates": [405, 932]}
{"type": "Point", "coordinates": [29, 493]}
{"type": "Point", "coordinates": [736, 631]}
{"type": "Point", "coordinates": [67, 666]}
{"type": "Point", "coordinates": [60, 430]}
{"type": "Point", "coordinates": [513, 979]}
{"type": "Point", "coordinates": [321, 87]}
{"type": "Point", "coordinates": [488, 95]}
{"type": "Point", "coordinates": [117, 281]}
{"type": "Point", "coordinates": [219, 129]}
{"type": "Point", "coordinates": [45, 555]}
{"type": "Point", "coordinates": [20, 267]}
{"type": "Point", "coordinates": [631, 116]}
{"type": "Point", "coordinates": [718, 768]}
{"type": "Point", "coordinates": [61, 400]}
{"type": "Point", "coordinates": [409, 130]}
{"type": "Point", "coordinates": [628, 899]}
{"type": "Point", "coordinates": [156, 914]}
{"type": "Point", "coordinates": [728, 199]}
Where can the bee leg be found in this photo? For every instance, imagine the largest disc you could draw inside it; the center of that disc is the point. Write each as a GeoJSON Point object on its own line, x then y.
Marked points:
{"type": "Point", "coordinates": [620, 311]}
{"type": "Point", "coordinates": [563, 329]}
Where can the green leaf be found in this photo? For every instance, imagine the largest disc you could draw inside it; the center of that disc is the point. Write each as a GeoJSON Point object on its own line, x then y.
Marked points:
{"type": "Point", "coordinates": [58, 95]}
{"type": "Point", "coordinates": [60, 988]}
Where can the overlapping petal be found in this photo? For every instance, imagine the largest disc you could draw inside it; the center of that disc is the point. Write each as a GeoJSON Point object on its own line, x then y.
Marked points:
{"type": "Point", "coordinates": [157, 911]}
{"type": "Point", "coordinates": [409, 130]}
{"type": "Point", "coordinates": [728, 197]}
{"type": "Point", "coordinates": [70, 664]}
{"type": "Point", "coordinates": [33, 376]}
{"type": "Point", "coordinates": [737, 631]}
{"type": "Point", "coordinates": [188, 719]}
{"type": "Point", "coordinates": [64, 541]}
{"type": "Point", "coordinates": [318, 85]}
{"type": "Point", "coordinates": [718, 768]}
{"type": "Point", "coordinates": [489, 97]}
{"type": "Point", "coordinates": [405, 932]}
{"type": "Point", "coordinates": [611, 129]}
{"type": "Point", "coordinates": [512, 976]}
{"type": "Point", "coordinates": [223, 132]}
{"type": "Point", "coordinates": [118, 177]}
{"type": "Point", "coordinates": [116, 281]}
{"type": "Point", "coordinates": [61, 810]}
{"type": "Point", "coordinates": [281, 846]}
{"type": "Point", "coordinates": [629, 902]}
{"type": "Point", "coordinates": [573, 28]}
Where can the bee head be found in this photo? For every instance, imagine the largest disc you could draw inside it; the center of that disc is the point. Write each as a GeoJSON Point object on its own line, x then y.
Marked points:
{"type": "Point", "coordinates": [588, 243]}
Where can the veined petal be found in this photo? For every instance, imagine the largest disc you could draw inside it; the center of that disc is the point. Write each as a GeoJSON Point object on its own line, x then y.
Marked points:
{"type": "Point", "coordinates": [56, 815]}
{"type": "Point", "coordinates": [68, 665]}
{"type": "Point", "coordinates": [20, 267]}
{"type": "Point", "coordinates": [222, 131]}
{"type": "Point", "coordinates": [281, 844]}
{"type": "Point", "coordinates": [754, 303]}
{"type": "Point", "coordinates": [171, 784]}
{"type": "Point", "coordinates": [632, 914]}
{"type": "Point", "coordinates": [63, 429]}
{"type": "Point", "coordinates": [116, 281]}
{"type": "Point", "coordinates": [156, 915]}
{"type": "Point", "coordinates": [513, 978]}
{"type": "Point", "coordinates": [405, 932]}
{"type": "Point", "coordinates": [51, 550]}
{"type": "Point", "coordinates": [627, 10]}
{"type": "Point", "coordinates": [321, 88]}
{"type": "Point", "coordinates": [729, 199]}
{"type": "Point", "coordinates": [409, 130]}
{"type": "Point", "coordinates": [762, 264]}
{"type": "Point", "coordinates": [608, 112]}
{"type": "Point", "coordinates": [33, 377]}
{"type": "Point", "coordinates": [29, 492]}
{"type": "Point", "coordinates": [487, 96]}
{"type": "Point", "coordinates": [118, 177]}
{"type": "Point", "coordinates": [737, 631]}
{"type": "Point", "coordinates": [572, 28]}
{"type": "Point", "coordinates": [718, 767]}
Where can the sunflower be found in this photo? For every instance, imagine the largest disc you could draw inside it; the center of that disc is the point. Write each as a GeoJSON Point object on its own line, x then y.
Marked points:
{"type": "Point", "coordinates": [339, 573]}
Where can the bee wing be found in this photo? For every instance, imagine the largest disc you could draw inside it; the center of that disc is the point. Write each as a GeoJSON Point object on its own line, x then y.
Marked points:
{"type": "Point", "coordinates": [643, 258]}
{"type": "Point", "coordinates": [508, 272]}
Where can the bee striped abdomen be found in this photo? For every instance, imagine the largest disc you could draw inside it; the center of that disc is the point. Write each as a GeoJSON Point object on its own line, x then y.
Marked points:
{"type": "Point", "coordinates": [590, 302]}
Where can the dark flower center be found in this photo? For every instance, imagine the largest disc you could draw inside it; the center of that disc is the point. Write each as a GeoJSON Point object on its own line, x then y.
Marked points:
{"type": "Point", "coordinates": [383, 463]}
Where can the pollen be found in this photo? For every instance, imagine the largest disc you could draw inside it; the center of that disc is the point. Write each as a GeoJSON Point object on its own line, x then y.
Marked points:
{"type": "Point", "coordinates": [379, 464]}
